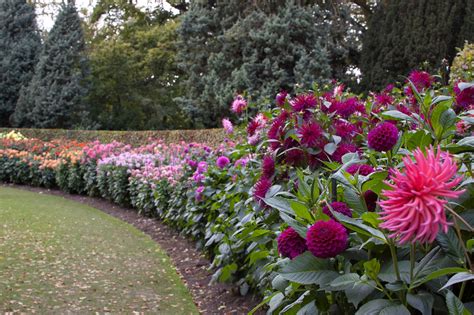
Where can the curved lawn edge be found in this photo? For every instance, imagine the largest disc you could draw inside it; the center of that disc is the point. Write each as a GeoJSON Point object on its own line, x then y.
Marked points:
{"type": "Point", "coordinates": [60, 255]}
{"type": "Point", "coordinates": [191, 264]}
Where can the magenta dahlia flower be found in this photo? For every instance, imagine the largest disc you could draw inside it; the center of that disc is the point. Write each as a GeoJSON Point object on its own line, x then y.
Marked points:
{"type": "Point", "coordinates": [420, 79]}
{"type": "Point", "coordinates": [227, 125]}
{"type": "Point", "coordinates": [337, 206]}
{"type": "Point", "coordinates": [343, 149]}
{"type": "Point", "coordinates": [370, 199]}
{"type": "Point", "coordinates": [291, 244]}
{"type": "Point", "coordinates": [464, 98]}
{"type": "Point", "coordinates": [326, 239]}
{"type": "Point", "coordinates": [362, 169]}
{"type": "Point", "coordinates": [260, 189]}
{"type": "Point", "coordinates": [345, 129]}
{"type": "Point", "coordinates": [268, 166]}
{"type": "Point", "coordinates": [310, 134]}
{"type": "Point", "coordinates": [222, 161]}
{"type": "Point", "coordinates": [303, 102]}
{"type": "Point", "coordinates": [198, 193]}
{"type": "Point", "coordinates": [281, 98]}
{"type": "Point", "coordinates": [383, 137]}
{"type": "Point", "coordinates": [414, 208]}
{"type": "Point", "coordinates": [383, 99]}
{"type": "Point", "coordinates": [239, 104]}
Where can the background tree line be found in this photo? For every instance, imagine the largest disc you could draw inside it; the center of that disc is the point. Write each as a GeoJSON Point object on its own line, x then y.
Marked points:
{"type": "Point", "coordinates": [128, 67]}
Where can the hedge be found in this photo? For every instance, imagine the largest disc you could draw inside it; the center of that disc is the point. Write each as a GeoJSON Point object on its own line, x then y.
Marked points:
{"type": "Point", "coordinates": [209, 136]}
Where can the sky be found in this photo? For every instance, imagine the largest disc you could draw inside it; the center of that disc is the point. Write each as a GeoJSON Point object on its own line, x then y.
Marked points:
{"type": "Point", "coordinates": [46, 20]}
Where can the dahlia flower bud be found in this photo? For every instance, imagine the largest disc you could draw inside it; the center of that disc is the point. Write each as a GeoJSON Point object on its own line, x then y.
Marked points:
{"type": "Point", "coordinates": [260, 189]}
{"type": "Point", "coordinates": [281, 98]}
{"type": "Point", "coordinates": [383, 137]}
{"type": "Point", "coordinates": [326, 239]}
{"type": "Point", "coordinates": [361, 169]}
{"type": "Point", "coordinates": [291, 244]}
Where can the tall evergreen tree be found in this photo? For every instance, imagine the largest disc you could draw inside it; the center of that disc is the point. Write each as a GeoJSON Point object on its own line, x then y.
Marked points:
{"type": "Point", "coordinates": [54, 98]}
{"type": "Point", "coordinates": [404, 34]}
{"type": "Point", "coordinates": [20, 45]}
{"type": "Point", "coordinates": [231, 46]}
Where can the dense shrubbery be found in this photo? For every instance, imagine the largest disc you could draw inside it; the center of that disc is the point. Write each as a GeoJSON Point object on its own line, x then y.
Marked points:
{"type": "Point", "coordinates": [324, 203]}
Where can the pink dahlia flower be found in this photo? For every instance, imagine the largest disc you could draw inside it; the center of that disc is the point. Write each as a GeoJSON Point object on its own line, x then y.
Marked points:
{"type": "Point", "coordinates": [260, 189]}
{"type": "Point", "coordinates": [222, 161]}
{"type": "Point", "coordinates": [362, 169]}
{"type": "Point", "coordinates": [198, 193]}
{"type": "Point", "coordinates": [383, 137]}
{"type": "Point", "coordinates": [303, 102]}
{"type": "Point", "coordinates": [239, 104]}
{"type": "Point", "coordinates": [291, 244]}
{"type": "Point", "coordinates": [326, 239]}
{"type": "Point", "coordinates": [343, 149]}
{"type": "Point", "coordinates": [337, 206]}
{"type": "Point", "coordinates": [420, 79]}
{"type": "Point", "coordinates": [414, 208]}
{"type": "Point", "coordinates": [281, 98]}
{"type": "Point", "coordinates": [227, 125]}
{"type": "Point", "coordinates": [310, 134]}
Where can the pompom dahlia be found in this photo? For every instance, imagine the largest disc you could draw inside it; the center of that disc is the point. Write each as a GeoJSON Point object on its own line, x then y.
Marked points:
{"type": "Point", "coordinates": [310, 134]}
{"type": "Point", "coordinates": [239, 104]}
{"type": "Point", "coordinates": [362, 169]}
{"type": "Point", "coordinates": [268, 166]}
{"type": "Point", "coordinates": [326, 239]}
{"type": "Point", "coordinates": [291, 244]}
{"type": "Point", "coordinates": [337, 206]}
{"type": "Point", "coordinates": [260, 189]}
{"type": "Point", "coordinates": [414, 208]}
{"type": "Point", "coordinates": [222, 161]}
{"type": "Point", "coordinates": [383, 137]}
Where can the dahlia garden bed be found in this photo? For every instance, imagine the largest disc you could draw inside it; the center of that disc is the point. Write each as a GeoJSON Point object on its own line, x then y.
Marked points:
{"type": "Point", "coordinates": [325, 202]}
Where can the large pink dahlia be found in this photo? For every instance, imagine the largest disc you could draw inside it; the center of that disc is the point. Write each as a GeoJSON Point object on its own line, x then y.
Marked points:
{"type": "Point", "coordinates": [414, 207]}
{"type": "Point", "coordinates": [326, 239]}
{"type": "Point", "coordinates": [291, 244]}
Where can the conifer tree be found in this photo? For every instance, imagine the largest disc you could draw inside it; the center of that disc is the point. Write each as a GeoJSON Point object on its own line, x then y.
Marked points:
{"type": "Point", "coordinates": [404, 34]}
{"type": "Point", "coordinates": [54, 98]}
{"type": "Point", "coordinates": [20, 45]}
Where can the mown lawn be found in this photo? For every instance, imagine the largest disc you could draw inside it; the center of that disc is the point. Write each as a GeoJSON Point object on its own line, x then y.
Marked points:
{"type": "Point", "coordinates": [57, 255]}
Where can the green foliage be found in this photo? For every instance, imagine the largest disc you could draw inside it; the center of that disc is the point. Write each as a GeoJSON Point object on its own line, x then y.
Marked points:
{"type": "Point", "coordinates": [235, 46]}
{"type": "Point", "coordinates": [135, 79]}
{"type": "Point", "coordinates": [463, 64]}
{"type": "Point", "coordinates": [19, 48]}
{"type": "Point", "coordinates": [404, 34]}
{"type": "Point", "coordinates": [54, 97]}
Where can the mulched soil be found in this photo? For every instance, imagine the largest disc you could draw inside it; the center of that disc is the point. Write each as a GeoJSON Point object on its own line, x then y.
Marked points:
{"type": "Point", "coordinates": [191, 264]}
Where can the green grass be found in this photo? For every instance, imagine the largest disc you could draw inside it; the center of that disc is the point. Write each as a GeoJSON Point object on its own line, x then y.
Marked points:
{"type": "Point", "coordinates": [60, 256]}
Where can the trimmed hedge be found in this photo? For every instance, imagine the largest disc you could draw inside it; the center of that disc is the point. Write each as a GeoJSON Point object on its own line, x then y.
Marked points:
{"type": "Point", "coordinates": [208, 136]}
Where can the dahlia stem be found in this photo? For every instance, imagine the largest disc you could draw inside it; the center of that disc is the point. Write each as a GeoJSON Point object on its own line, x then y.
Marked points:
{"type": "Point", "coordinates": [466, 253]}
{"type": "Point", "coordinates": [412, 262]}
{"type": "Point", "coordinates": [461, 292]}
{"type": "Point", "coordinates": [454, 213]}
{"type": "Point", "coordinates": [393, 252]}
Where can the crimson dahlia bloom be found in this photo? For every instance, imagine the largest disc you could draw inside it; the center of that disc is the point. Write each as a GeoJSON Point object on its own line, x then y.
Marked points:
{"type": "Point", "coordinates": [260, 189]}
{"type": "Point", "coordinates": [281, 98]}
{"type": "Point", "coordinates": [291, 244]}
{"type": "Point", "coordinates": [343, 149]}
{"type": "Point", "coordinates": [420, 79]}
{"type": "Point", "coordinates": [337, 206]}
{"type": "Point", "coordinates": [464, 98]}
{"type": "Point", "coordinates": [362, 169]}
{"type": "Point", "coordinates": [268, 166]}
{"type": "Point", "coordinates": [326, 239]}
{"type": "Point", "coordinates": [310, 134]}
{"type": "Point", "coordinates": [414, 209]}
{"type": "Point", "coordinates": [303, 102]}
{"type": "Point", "coordinates": [383, 137]}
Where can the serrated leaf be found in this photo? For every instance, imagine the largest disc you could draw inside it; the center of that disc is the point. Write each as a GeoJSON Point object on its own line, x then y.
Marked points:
{"type": "Point", "coordinates": [422, 301]}
{"type": "Point", "coordinates": [306, 269]}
